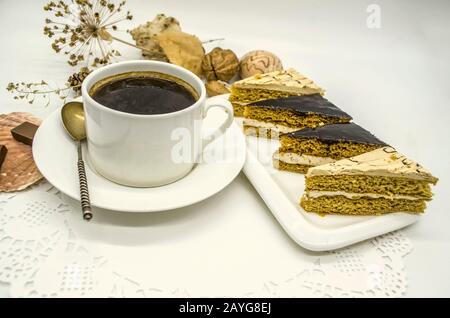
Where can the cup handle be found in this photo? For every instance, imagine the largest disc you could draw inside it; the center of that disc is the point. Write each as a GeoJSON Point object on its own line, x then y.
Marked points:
{"type": "Point", "coordinates": [221, 102]}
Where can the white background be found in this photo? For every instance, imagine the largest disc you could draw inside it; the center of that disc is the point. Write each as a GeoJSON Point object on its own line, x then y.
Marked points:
{"type": "Point", "coordinates": [393, 80]}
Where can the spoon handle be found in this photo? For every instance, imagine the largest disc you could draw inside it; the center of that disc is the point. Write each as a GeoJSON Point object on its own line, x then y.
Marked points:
{"type": "Point", "coordinates": [84, 190]}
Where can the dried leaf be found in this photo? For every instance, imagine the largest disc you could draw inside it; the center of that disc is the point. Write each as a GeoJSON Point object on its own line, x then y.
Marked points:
{"type": "Point", "coordinates": [214, 88]}
{"type": "Point", "coordinates": [182, 49]}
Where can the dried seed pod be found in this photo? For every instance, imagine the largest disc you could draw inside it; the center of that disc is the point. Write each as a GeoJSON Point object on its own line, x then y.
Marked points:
{"type": "Point", "coordinates": [75, 80]}
{"type": "Point", "coordinates": [259, 62]}
{"type": "Point", "coordinates": [220, 64]}
{"type": "Point", "coordinates": [214, 88]}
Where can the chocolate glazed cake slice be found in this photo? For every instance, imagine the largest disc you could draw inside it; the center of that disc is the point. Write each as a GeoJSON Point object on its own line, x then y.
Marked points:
{"type": "Point", "coordinates": [270, 118]}
{"type": "Point", "coordinates": [303, 149]}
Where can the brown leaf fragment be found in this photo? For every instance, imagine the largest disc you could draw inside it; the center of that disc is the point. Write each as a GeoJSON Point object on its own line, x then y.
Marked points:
{"type": "Point", "coordinates": [182, 49]}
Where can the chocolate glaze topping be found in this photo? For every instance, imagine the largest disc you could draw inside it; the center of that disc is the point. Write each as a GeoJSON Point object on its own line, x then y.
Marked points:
{"type": "Point", "coordinates": [350, 132]}
{"type": "Point", "coordinates": [306, 104]}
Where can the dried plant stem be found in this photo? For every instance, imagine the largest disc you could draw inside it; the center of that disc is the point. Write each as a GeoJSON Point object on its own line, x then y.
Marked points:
{"type": "Point", "coordinates": [212, 40]}
{"type": "Point", "coordinates": [30, 91]}
{"type": "Point", "coordinates": [36, 92]}
{"type": "Point", "coordinates": [130, 44]}
{"type": "Point", "coordinates": [147, 50]}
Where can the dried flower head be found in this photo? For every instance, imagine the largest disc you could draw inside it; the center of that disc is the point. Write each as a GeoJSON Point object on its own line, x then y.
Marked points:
{"type": "Point", "coordinates": [81, 29]}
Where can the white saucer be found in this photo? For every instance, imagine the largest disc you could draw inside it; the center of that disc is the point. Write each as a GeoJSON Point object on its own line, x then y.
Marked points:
{"type": "Point", "coordinates": [55, 155]}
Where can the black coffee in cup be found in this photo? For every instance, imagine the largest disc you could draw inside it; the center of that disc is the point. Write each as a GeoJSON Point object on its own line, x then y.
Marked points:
{"type": "Point", "coordinates": [144, 93]}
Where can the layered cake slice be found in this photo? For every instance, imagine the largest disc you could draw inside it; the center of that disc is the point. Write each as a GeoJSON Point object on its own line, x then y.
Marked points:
{"type": "Point", "coordinates": [269, 118]}
{"type": "Point", "coordinates": [303, 149]}
{"type": "Point", "coordinates": [377, 182]}
{"type": "Point", "coordinates": [276, 84]}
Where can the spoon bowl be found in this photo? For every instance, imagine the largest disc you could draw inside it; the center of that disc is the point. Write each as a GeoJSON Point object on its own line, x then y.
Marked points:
{"type": "Point", "coordinates": [72, 115]}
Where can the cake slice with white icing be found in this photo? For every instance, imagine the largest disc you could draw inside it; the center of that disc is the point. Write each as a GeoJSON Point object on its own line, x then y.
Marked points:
{"type": "Point", "coordinates": [376, 182]}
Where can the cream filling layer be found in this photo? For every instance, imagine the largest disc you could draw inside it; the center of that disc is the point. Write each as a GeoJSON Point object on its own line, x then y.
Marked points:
{"type": "Point", "coordinates": [349, 195]}
{"type": "Point", "coordinates": [266, 125]}
{"type": "Point", "coordinates": [301, 159]}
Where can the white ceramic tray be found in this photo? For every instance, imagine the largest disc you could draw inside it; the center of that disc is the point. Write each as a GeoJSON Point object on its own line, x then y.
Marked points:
{"type": "Point", "coordinates": [281, 191]}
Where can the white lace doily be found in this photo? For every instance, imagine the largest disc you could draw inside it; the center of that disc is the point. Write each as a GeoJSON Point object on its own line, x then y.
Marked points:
{"type": "Point", "coordinates": [46, 250]}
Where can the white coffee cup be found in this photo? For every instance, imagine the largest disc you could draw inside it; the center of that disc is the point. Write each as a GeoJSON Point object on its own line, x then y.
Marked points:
{"type": "Point", "coordinates": [136, 150]}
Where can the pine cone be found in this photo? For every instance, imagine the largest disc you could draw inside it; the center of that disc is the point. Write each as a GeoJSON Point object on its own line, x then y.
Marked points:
{"type": "Point", "coordinates": [76, 79]}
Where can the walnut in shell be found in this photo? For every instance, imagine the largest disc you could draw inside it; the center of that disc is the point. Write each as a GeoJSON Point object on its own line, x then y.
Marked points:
{"type": "Point", "coordinates": [220, 64]}
{"type": "Point", "coordinates": [145, 33]}
{"type": "Point", "coordinates": [259, 62]}
{"type": "Point", "coordinates": [18, 170]}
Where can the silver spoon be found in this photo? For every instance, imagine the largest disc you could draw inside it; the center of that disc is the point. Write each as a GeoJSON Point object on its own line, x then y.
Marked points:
{"type": "Point", "coordinates": [72, 115]}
